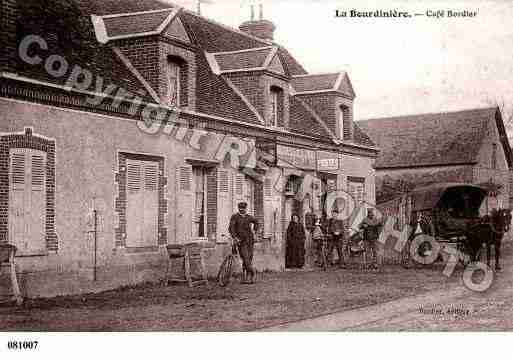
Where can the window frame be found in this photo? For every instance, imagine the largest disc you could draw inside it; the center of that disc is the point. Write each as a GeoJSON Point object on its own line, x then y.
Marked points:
{"type": "Point", "coordinates": [121, 205]}
{"type": "Point", "coordinates": [177, 65]}
{"type": "Point", "coordinates": [204, 175]}
{"type": "Point", "coordinates": [276, 93]}
{"type": "Point", "coordinates": [26, 139]}
{"type": "Point", "coordinates": [340, 123]}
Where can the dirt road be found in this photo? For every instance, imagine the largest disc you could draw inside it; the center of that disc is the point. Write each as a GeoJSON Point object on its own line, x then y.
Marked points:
{"type": "Point", "coordinates": [371, 301]}
{"type": "Point", "coordinates": [454, 309]}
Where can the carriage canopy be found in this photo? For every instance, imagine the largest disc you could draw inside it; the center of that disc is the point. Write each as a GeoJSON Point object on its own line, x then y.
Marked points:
{"type": "Point", "coordinates": [464, 200]}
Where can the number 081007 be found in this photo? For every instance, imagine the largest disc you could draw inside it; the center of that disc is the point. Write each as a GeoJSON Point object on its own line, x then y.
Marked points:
{"type": "Point", "coordinates": [22, 345]}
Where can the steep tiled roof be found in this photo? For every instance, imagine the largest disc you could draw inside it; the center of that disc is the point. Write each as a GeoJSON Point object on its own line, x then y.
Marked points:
{"type": "Point", "coordinates": [108, 7]}
{"type": "Point", "coordinates": [302, 121]}
{"type": "Point", "coordinates": [213, 37]}
{"type": "Point", "coordinates": [69, 30]}
{"type": "Point", "coordinates": [430, 139]}
{"type": "Point", "coordinates": [242, 60]}
{"type": "Point", "coordinates": [315, 82]}
{"type": "Point", "coordinates": [69, 33]}
{"type": "Point", "coordinates": [361, 138]}
{"type": "Point", "coordinates": [135, 24]}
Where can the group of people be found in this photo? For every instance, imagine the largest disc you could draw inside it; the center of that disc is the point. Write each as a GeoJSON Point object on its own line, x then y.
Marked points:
{"type": "Point", "coordinates": [330, 232]}
{"type": "Point", "coordinates": [334, 234]}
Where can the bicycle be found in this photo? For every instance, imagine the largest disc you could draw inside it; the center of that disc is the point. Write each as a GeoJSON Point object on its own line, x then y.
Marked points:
{"type": "Point", "coordinates": [324, 254]}
{"type": "Point", "coordinates": [226, 270]}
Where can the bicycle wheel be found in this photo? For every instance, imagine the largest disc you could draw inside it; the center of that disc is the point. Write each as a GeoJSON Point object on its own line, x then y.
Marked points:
{"type": "Point", "coordinates": [225, 271]}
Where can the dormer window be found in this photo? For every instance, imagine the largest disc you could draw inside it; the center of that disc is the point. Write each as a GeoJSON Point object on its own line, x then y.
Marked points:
{"type": "Point", "coordinates": [175, 81]}
{"type": "Point", "coordinates": [343, 123]}
{"type": "Point", "coordinates": [276, 119]}
{"type": "Point", "coordinates": [340, 123]}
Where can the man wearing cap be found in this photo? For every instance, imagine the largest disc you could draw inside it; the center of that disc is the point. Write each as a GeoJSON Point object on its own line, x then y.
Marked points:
{"type": "Point", "coordinates": [337, 237]}
{"type": "Point", "coordinates": [371, 227]}
{"type": "Point", "coordinates": [241, 230]}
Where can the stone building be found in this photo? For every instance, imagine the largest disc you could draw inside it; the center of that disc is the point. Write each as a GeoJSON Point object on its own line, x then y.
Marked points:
{"type": "Point", "coordinates": [467, 146]}
{"type": "Point", "coordinates": [159, 121]}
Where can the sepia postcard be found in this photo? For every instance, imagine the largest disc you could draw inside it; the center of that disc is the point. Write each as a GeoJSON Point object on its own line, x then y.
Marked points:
{"type": "Point", "coordinates": [253, 166]}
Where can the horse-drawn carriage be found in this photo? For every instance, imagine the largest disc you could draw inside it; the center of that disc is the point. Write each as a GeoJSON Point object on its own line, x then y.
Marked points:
{"type": "Point", "coordinates": [453, 214]}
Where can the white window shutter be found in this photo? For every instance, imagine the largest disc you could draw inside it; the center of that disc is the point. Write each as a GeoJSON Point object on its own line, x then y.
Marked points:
{"type": "Point", "coordinates": [37, 201]}
{"type": "Point", "coordinates": [248, 191]}
{"type": "Point", "coordinates": [224, 207]}
{"type": "Point", "coordinates": [238, 190]}
{"type": "Point", "coordinates": [18, 200]}
{"type": "Point", "coordinates": [184, 203]}
{"type": "Point", "coordinates": [27, 207]}
{"type": "Point", "coordinates": [134, 203]}
{"type": "Point", "coordinates": [151, 204]}
{"type": "Point", "coordinates": [269, 225]}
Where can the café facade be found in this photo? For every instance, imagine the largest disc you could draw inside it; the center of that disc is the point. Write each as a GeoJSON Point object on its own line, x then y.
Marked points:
{"type": "Point", "coordinates": [93, 193]}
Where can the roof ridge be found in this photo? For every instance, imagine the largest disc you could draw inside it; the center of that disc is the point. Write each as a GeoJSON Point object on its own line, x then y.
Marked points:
{"type": "Point", "coordinates": [428, 114]}
{"type": "Point", "coordinates": [264, 41]}
{"type": "Point", "coordinates": [103, 37]}
{"type": "Point", "coordinates": [243, 51]}
{"type": "Point", "coordinates": [321, 74]}
{"type": "Point", "coordinates": [124, 14]}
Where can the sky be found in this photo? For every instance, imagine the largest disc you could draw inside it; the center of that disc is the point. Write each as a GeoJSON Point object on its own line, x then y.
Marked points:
{"type": "Point", "coordinates": [396, 66]}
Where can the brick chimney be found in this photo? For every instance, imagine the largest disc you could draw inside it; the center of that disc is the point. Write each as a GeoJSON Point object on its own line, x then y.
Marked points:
{"type": "Point", "coordinates": [8, 17]}
{"type": "Point", "coordinates": [261, 28]}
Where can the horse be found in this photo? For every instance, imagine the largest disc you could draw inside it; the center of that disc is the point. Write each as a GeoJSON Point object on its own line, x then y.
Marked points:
{"type": "Point", "coordinates": [489, 231]}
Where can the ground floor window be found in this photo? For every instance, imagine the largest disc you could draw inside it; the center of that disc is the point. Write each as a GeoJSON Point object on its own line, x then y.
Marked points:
{"type": "Point", "coordinates": [244, 191]}
{"type": "Point", "coordinates": [199, 229]}
{"type": "Point", "coordinates": [141, 203]}
{"type": "Point", "coordinates": [196, 203]}
{"type": "Point", "coordinates": [27, 193]}
{"type": "Point", "coordinates": [27, 197]}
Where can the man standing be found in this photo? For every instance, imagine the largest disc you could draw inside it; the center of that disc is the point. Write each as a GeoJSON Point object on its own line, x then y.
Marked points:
{"type": "Point", "coordinates": [240, 230]}
{"type": "Point", "coordinates": [337, 237]}
{"type": "Point", "coordinates": [371, 227]}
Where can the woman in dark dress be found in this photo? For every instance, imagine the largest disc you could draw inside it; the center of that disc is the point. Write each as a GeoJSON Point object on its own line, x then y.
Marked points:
{"type": "Point", "coordinates": [295, 249]}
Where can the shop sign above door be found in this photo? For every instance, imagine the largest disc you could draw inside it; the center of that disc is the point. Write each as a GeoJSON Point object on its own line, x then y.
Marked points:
{"type": "Point", "coordinates": [296, 157]}
{"type": "Point", "coordinates": [327, 161]}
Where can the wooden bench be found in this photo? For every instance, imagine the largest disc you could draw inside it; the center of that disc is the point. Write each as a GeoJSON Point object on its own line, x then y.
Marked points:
{"type": "Point", "coordinates": [190, 256]}
{"type": "Point", "coordinates": [7, 253]}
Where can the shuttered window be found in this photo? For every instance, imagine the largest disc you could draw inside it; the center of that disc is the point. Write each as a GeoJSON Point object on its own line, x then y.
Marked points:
{"type": "Point", "coordinates": [173, 83]}
{"type": "Point", "coordinates": [200, 202]}
{"type": "Point", "coordinates": [184, 203]}
{"type": "Point", "coordinates": [185, 178]}
{"type": "Point", "coordinates": [142, 203]}
{"type": "Point", "coordinates": [224, 205]}
{"type": "Point", "coordinates": [27, 204]}
{"type": "Point", "coordinates": [243, 192]}
{"type": "Point", "coordinates": [269, 210]}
